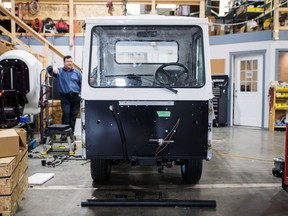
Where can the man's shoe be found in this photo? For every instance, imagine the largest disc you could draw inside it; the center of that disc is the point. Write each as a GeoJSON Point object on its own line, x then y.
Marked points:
{"type": "Point", "coordinates": [63, 137]}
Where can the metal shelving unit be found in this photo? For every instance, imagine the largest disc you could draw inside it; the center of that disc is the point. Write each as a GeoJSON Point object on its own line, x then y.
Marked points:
{"type": "Point", "coordinates": [46, 101]}
{"type": "Point", "coordinates": [278, 108]}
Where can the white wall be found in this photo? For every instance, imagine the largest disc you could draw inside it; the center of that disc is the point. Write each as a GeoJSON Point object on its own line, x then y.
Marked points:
{"type": "Point", "coordinates": [224, 51]}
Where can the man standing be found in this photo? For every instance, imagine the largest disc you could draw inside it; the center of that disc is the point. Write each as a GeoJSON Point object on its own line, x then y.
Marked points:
{"type": "Point", "coordinates": [69, 82]}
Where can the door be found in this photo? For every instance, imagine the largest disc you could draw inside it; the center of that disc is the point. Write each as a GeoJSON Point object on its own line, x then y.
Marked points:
{"type": "Point", "coordinates": [248, 90]}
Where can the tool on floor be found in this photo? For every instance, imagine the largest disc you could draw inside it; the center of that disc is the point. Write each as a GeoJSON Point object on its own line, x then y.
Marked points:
{"type": "Point", "coordinates": [59, 145]}
{"type": "Point", "coordinates": [278, 169]}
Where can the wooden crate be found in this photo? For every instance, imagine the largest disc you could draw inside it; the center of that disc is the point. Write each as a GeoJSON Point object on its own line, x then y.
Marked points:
{"type": "Point", "coordinates": [13, 168]}
{"type": "Point", "coordinates": [8, 164]}
{"type": "Point", "coordinates": [13, 181]}
{"type": "Point", "coordinates": [9, 203]}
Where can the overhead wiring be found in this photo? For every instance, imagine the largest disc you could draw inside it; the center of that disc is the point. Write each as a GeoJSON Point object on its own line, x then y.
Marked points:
{"type": "Point", "coordinates": [34, 7]}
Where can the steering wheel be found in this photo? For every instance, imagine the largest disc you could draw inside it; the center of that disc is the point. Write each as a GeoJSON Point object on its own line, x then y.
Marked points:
{"type": "Point", "coordinates": [172, 74]}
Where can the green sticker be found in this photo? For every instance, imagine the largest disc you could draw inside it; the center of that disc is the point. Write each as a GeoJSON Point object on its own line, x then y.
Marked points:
{"type": "Point", "coordinates": [163, 113]}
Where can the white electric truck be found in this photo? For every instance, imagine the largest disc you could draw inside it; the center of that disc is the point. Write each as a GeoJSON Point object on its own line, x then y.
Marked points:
{"type": "Point", "coordinates": [147, 94]}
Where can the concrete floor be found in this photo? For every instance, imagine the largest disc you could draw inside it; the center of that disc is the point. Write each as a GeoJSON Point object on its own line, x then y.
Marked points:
{"type": "Point", "coordinates": [239, 178]}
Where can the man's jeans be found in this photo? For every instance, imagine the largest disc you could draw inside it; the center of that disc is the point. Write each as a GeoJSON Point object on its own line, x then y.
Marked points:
{"type": "Point", "coordinates": [70, 104]}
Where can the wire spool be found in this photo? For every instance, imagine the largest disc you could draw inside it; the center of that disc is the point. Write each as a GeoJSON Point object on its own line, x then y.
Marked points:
{"type": "Point", "coordinates": [34, 7]}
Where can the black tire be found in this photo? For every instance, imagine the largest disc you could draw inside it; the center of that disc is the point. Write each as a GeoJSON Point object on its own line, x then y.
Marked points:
{"type": "Point", "coordinates": [284, 186]}
{"type": "Point", "coordinates": [191, 171]}
{"type": "Point", "coordinates": [100, 171]}
{"type": "Point", "coordinates": [276, 173]}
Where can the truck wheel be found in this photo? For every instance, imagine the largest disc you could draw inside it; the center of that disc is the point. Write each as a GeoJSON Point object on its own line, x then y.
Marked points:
{"type": "Point", "coordinates": [100, 170]}
{"type": "Point", "coordinates": [284, 186]}
{"type": "Point", "coordinates": [191, 171]}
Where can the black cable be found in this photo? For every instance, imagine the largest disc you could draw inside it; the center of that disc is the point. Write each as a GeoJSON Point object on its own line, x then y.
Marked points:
{"type": "Point", "coordinates": [121, 132]}
{"type": "Point", "coordinates": [55, 160]}
{"type": "Point", "coordinates": [168, 137]}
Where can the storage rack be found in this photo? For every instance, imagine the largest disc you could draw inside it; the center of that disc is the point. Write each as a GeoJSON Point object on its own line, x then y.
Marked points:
{"type": "Point", "coordinates": [278, 107]}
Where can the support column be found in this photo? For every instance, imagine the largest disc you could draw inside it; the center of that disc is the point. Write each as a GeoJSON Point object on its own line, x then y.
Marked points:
{"type": "Point", "coordinates": [202, 9]}
{"type": "Point", "coordinates": [13, 27]}
{"type": "Point", "coordinates": [153, 7]}
{"type": "Point", "coordinates": [276, 20]}
{"type": "Point", "coordinates": [71, 23]}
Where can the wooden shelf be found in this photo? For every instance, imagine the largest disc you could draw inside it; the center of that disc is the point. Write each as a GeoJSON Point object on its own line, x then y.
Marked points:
{"type": "Point", "coordinates": [276, 113]}
{"type": "Point", "coordinates": [281, 89]}
{"type": "Point", "coordinates": [286, 108]}
{"type": "Point", "coordinates": [279, 127]}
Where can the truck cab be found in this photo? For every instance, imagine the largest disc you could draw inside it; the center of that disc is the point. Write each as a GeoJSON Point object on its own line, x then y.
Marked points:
{"type": "Point", "coordinates": [147, 94]}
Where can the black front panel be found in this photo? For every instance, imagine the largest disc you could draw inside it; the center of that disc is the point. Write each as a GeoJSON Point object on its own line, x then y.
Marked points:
{"type": "Point", "coordinates": [220, 100]}
{"type": "Point", "coordinates": [143, 123]}
{"type": "Point", "coordinates": [15, 77]}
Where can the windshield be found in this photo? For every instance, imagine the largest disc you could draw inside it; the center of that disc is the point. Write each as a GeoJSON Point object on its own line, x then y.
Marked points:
{"type": "Point", "coordinates": [146, 56]}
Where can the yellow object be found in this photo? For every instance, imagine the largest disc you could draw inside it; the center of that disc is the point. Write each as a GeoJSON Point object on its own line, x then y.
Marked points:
{"type": "Point", "coordinates": [251, 9]}
{"type": "Point", "coordinates": [266, 24]}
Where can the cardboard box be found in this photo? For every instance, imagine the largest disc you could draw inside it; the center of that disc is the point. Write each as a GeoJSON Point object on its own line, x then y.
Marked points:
{"type": "Point", "coordinates": [211, 20]}
{"type": "Point", "coordinates": [212, 30]}
{"type": "Point", "coordinates": [220, 29]}
{"type": "Point", "coordinates": [22, 137]}
{"type": "Point", "coordinates": [11, 140]}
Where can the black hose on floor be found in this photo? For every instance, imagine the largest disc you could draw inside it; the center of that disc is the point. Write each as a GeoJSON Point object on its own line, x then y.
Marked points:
{"type": "Point", "coordinates": [149, 202]}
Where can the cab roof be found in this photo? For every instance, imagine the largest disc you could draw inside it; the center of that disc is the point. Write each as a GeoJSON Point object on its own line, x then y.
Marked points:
{"type": "Point", "coordinates": [146, 20]}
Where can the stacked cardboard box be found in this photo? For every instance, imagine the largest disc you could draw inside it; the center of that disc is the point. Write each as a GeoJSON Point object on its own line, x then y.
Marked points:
{"type": "Point", "coordinates": [13, 170]}
{"type": "Point", "coordinates": [211, 20]}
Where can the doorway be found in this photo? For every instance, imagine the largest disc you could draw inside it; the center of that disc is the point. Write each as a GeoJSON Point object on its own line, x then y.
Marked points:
{"type": "Point", "coordinates": [247, 90]}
